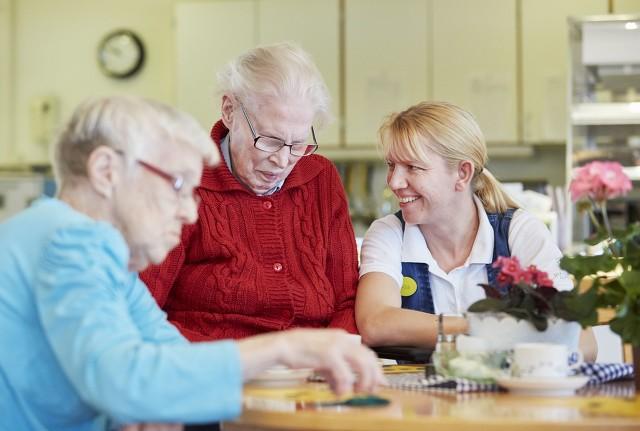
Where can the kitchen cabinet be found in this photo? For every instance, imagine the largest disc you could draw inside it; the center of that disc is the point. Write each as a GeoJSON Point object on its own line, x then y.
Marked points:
{"type": "Point", "coordinates": [314, 25]}
{"type": "Point", "coordinates": [544, 53]}
{"type": "Point", "coordinates": [387, 53]}
{"type": "Point", "coordinates": [6, 151]}
{"type": "Point", "coordinates": [474, 62]}
{"type": "Point", "coordinates": [626, 6]}
{"type": "Point", "coordinates": [208, 35]}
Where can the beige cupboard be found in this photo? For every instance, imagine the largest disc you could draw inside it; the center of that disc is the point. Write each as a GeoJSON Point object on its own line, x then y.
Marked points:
{"type": "Point", "coordinates": [502, 59]}
{"type": "Point", "coordinates": [386, 56]}
{"type": "Point", "coordinates": [545, 56]}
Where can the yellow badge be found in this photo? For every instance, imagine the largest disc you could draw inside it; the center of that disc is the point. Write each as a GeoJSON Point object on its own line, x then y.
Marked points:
{"type": "Point", "coordinates": [409, 286]}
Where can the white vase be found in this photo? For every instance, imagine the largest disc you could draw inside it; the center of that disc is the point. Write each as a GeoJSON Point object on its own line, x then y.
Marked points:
{"type": "Point", "coordinates": [503, 331]}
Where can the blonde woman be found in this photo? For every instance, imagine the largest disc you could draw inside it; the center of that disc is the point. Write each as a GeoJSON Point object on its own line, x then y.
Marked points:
{"type": "Point", "coordinates": [455, 220]}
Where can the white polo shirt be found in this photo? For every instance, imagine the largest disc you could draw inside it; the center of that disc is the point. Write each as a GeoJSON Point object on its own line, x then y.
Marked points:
{"type": "Point", "coordinates": [385, 248]}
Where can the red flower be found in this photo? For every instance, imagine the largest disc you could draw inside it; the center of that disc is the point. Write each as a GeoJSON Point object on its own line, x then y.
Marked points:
{"type": "Point", "coordinates": [512, 273]}
{"type": "Point", "coordinates": [503, 279]}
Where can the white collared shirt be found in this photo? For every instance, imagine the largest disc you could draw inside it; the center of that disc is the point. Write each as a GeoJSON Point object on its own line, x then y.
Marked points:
{"type": "Point", "coordinates": [385, 248]}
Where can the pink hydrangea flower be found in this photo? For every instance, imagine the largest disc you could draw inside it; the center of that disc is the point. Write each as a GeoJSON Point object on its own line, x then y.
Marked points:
{"type": "Point", "coordinates": [599, 181]}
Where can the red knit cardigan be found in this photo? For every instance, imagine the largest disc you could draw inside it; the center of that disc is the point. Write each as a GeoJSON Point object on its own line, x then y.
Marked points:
{"type": "Point", "coordinates": [254, 264]}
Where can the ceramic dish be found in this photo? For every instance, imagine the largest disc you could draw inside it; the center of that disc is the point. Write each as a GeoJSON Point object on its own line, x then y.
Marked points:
{"type": "Point", "coordinates": [538, 386]}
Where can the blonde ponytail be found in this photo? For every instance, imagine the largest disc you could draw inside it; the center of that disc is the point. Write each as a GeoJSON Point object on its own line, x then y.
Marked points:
{"type": "Point", "coordinates": [488, 189]}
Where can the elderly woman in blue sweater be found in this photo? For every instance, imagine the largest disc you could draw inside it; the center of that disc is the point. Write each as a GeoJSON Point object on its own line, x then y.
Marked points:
{"type": "Point", "coordinates": [83, 340]}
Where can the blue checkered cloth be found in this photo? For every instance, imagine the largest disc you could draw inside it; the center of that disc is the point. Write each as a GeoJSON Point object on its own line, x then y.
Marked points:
{"type": "Point", "coordinates": [598, 373]}
{"type": "Point", "coordinates": [602, 373]}
{"type": "Point", "coordinates": [437, 383]}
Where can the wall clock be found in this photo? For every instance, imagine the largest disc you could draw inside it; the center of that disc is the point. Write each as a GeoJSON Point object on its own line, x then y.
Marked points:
{"type": "Point", "coordinates": [121, 54]}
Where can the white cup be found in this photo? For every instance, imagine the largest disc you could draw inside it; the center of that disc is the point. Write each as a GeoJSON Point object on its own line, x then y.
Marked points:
{"type": "Point", "coordinates": [540, 360]}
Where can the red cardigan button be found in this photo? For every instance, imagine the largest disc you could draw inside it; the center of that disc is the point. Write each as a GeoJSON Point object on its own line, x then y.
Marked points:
{"type": "Point", "coordinates": [277, 267]}
{"type": "Point", "coordinates": [267, 205]}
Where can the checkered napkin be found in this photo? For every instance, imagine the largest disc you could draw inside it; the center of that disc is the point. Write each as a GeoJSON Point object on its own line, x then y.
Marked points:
{"type": "Point", "coordinates": [598, 373]}
{"type": "Point", "coordinates": [417, 382]}
{"type": "Point", "coordinates": [601, 373]}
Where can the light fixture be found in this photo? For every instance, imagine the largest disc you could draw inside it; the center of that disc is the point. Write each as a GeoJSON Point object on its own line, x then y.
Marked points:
{"type": "Point", "coordinates": [631, 25]}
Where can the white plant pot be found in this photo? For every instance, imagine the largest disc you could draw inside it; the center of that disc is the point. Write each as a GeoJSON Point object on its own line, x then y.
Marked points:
{"type": "Point", "coordinates": [502, 331]}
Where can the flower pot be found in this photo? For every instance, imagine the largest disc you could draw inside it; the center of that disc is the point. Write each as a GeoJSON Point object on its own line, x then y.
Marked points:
{"type": "Point", "coordinates": [503, 331]}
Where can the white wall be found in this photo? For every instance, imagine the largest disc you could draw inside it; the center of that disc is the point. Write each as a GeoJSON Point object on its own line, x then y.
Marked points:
{"type": "Point", "coordinates": [5, 80]}
{"type": "Point", "coordinates": [55, 46]}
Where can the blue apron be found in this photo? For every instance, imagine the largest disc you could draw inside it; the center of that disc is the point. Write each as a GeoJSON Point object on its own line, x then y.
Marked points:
{"type": "Point", "coordinates": [416, 287]}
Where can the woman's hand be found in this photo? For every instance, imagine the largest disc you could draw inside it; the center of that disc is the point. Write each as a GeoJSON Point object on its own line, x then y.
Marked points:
{"type": "Point", "coordinates": [338, 356]}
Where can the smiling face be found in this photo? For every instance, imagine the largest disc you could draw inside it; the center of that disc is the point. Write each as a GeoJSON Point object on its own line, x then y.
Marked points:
{"type": "Point", "coordinates": [289, 121]}
{"type": "Point", "coordinates": [427, 191]}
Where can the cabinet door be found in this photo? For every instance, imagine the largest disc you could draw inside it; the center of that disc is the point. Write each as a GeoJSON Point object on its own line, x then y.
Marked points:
{"type": "Point", "coordinates": [6, 151]}
{"type": "Point", "coordinates": [314, 25]}
{"type": "Point", "coordinates": [208, 35]}
{"type": "Point", "coordinates": [474, 62]}
{"type": "Point", "coordinates": [545, 56]}
{"type": "Point", "coordinates": [626, 6]}
{"type": "Point", "coordinates": [386, 56]}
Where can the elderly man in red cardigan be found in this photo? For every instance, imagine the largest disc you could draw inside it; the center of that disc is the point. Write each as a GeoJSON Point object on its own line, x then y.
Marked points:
{"type": "Point", "coordinates": [273, 247]}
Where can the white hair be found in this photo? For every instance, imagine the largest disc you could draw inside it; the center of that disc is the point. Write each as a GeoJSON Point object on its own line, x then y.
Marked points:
{"type": "Point", "coordinates": [280, 72]}
{"type": "Point", "coordinates": [125, 123]}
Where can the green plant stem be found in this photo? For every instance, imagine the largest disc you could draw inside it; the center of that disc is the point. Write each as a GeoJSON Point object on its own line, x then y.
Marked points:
{"type": "Point", "coordinates": [594, 220]}
{"type": "Point", "coordinates": [605, 218]}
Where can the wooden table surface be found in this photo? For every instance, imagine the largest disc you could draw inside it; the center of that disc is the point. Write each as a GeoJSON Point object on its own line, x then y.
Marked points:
{"type": "Point", "coordinates": [611, 406]}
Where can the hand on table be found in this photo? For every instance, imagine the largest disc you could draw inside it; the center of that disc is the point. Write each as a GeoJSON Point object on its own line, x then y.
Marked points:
{"type": "Point", "coordinates": [337, 355]}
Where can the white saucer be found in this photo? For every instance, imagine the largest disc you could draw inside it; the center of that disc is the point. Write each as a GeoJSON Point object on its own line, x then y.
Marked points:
{"type": "Point", "coordinates": [282, 377]}
{"type": "Point", "coordinates": [543, 386]}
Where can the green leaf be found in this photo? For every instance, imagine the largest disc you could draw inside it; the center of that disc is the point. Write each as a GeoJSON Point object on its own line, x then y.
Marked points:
{"type": "Point", "coordinates": [627, 321]}
{"type": "Point", "coordinates": [610, 294]}
{"type": "Point", "coordinates": [628, 328]}
{"type": "Point", "coordinates": [582, 266]}
{"type": "Point", "coordinates": [630, 280]}
{"type": "Point", "coordinates": [518, 313]}
{"type": "Point", "coordinates": [539, 321]}
{"type": "Point", "coordinates": [576, 307]}
{"type": "Point", "coordinates": [487, 304]}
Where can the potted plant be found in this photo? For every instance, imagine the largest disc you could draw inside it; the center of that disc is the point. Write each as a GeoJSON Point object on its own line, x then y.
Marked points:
{"type": "Point", "coordinates": [612, 275]}
{"type": "Point", "coordinates": [524, 306]}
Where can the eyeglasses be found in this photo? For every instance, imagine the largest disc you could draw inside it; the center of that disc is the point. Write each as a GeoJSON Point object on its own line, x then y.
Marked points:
{"type": "Point", "coordinates": [176, 181]}
{"type": "Point", "coordinates": [273, 145]}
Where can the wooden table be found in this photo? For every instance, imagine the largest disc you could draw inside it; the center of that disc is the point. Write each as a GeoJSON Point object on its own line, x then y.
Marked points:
{"type": "Point", "coordinates": [607, 407]}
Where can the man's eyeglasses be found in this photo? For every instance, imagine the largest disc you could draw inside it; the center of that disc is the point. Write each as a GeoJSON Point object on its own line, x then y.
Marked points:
{"type": "Point", "coordinates": [272, 145]}
{"type": "Point", "coordinates": [176, 181]}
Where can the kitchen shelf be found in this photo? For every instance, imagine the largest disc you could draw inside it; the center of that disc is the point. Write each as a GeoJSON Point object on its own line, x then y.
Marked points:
{"type": "Point", "coordinates": [633, 172]}
{"type": "Point", "coordinates": [594, 114]}
{"type": "Point", "coordinates": [603, 106]}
